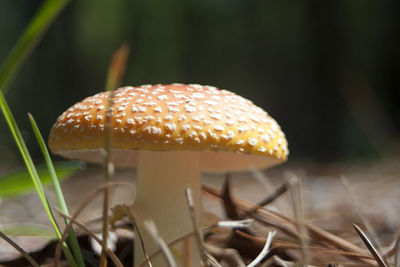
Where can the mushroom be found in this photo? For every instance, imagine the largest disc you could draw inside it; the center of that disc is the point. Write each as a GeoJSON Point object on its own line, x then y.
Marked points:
{"type": "Point", "coordinates": [170, 133]}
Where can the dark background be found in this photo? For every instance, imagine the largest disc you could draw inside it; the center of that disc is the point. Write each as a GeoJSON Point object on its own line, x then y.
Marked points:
{"type": "Point", "coordinates": [327, 71]}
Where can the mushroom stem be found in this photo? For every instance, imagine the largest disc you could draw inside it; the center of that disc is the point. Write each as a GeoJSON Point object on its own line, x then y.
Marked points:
{"type": "Point", "coordinates": [162, 178]}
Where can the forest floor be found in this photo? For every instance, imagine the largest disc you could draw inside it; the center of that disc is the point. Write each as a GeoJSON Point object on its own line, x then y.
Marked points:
{"type": "Point", "coordinates": [334, 196]}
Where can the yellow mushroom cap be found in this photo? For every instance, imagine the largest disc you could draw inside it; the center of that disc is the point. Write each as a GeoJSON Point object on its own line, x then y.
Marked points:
{"type": "Point", "coordinates": [175, 117]}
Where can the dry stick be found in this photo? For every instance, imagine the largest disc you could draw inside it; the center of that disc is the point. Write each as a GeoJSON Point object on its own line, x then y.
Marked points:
{"type": "Point", "coordinates": [276, 261]}
{"type": "Point", "coordinates": [229, 224]}
{"type": "Point", "coordinates": [210, 258]}
{"type": "Point", "coordinates": [391, 251]}
{"type": "Point", "coordinates": [152, 230]}
{"type": "Point", "coordinates": [109, 170]}
{"type": "Point", "coordinates": [231, 256]}
{"type": "Point", "coordinates": [83, 205]}
{"type": "Point", "coordinates": [272, 219]}
{"type": "Point", "coordinates": [133, 221]}
{"type": "Point", "coordinates": [360, 214]}
{"type": "Point", "coordinates": [19, 249]}
{"type": "Point", "coordinates": [212, 261]}
{"type": "Point", "coordinates": [115, 72]}
{"type": "Point", "coordinates": [298, 207]}
{"type": "Point", "coordinates": [117, 67]}
{"type": "Point", "coordinates": [173, 242]}
{"type": "Point", "coordinates": [278, 219]}
{"type": "Point", "coordinates": [271, 198]}
{"type": "Point", "coordinates": [264, 251]}
{"type": "Point", "coordinates": [230, 209]}
{"type": "Point", "coordinates": [369, 245]}
{"type": "Point", "coordinates": [108, 252]}
{"type": "Point", "coordinates": [198, 236]}
{"type": "Point", "coordinates": [276, 222]}
{"type": "Point", "coordinates": [397, 253]}
{"type": "Point", "coordinates": [318, 233]}
{"type": "Point", "coordinates": [289, 245]}
{"type": "Point", "coordinates": [271, 189]}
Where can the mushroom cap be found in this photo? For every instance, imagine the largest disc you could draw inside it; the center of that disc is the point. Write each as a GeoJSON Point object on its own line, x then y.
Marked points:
{"type": "Point", "coordinates": [175, 117]}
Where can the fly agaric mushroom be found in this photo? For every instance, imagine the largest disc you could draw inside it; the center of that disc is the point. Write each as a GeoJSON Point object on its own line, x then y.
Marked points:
{"type": "Point", "coordinates": [170, 133]}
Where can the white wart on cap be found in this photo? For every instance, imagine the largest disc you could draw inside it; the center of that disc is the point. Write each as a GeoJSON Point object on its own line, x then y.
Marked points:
{"type": "Point", "coordinates": [174, 117]}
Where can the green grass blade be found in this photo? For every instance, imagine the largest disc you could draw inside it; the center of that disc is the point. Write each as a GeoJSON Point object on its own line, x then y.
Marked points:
{"type": "Point", "coordinates": [61, 201]}
{"type": "Point", "coordinates": [19, 182]}
{"type": "Point", "coordinates": [32, 35]}
{"type": "Point", "coordinates": [22, 147]}
{"type": "Point", "coordinates": [32, 171]}
{"type": "Point", "coordinates": [27, 42]}
{"type": "Point", "coordinates": [49, 163]}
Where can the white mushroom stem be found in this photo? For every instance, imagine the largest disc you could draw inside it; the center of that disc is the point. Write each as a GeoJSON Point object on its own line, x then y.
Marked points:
{"type": "Point", "coordinates": [162, 178]}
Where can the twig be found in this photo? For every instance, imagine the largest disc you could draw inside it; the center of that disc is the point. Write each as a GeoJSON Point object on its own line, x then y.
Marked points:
{"type": "Point", "coordinates": [117, 67]}
{"type": "Point", "coordinates": [264, 251]}
{"type": "Point", "coordinates": [275, 195]}
{"type": "Point", "coordinates": [290, 245]}
{"type": "Point", "coordinates": [230, 209]}
{"type": "Point", "coordinates": [370, 246]}
{"type": "Point", "coordinates": [133, 221]}
{"type": "Point", "coordinates": [83, 205]}
{"type": "Point", "coordinates": [212, 261]}
{"type": "Point", "coordinates": [298, 207]}
{"type": "Point", "coordinates": [284, 223]}
{"type": "Point", "coordinates": [397, 253]}
{"type": "Point", "coordinates": [284, 226]}
{"type": "Point", "coordinates": [109, 252]}
{"type": "Point", "coordinates": [115, 73]}
{"type": "Point", "coordinates": [152, 229]}
{"type": "Point", "coordinates": [230, 224]}
{"type": "Point", "coordinates": [272, 197]}
{"type": "Point", "coordinates": [229, 255]}
{"type": "Point", "coordinates": [364, 220]}
{"type": "Point", "coordinates": [109, 171]}
{"type": "Point", "coordinates": [173, 242]}
{"type": "Point", "coordinates": [276, 261]}
{"type": "Point", "coordinates": [197, 234]}
{"type": "Point", "coordinates": [19, 249]}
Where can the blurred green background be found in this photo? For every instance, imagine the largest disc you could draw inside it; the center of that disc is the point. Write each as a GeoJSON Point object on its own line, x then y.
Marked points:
{"type": "Point", "coordinates": [328, 71]}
